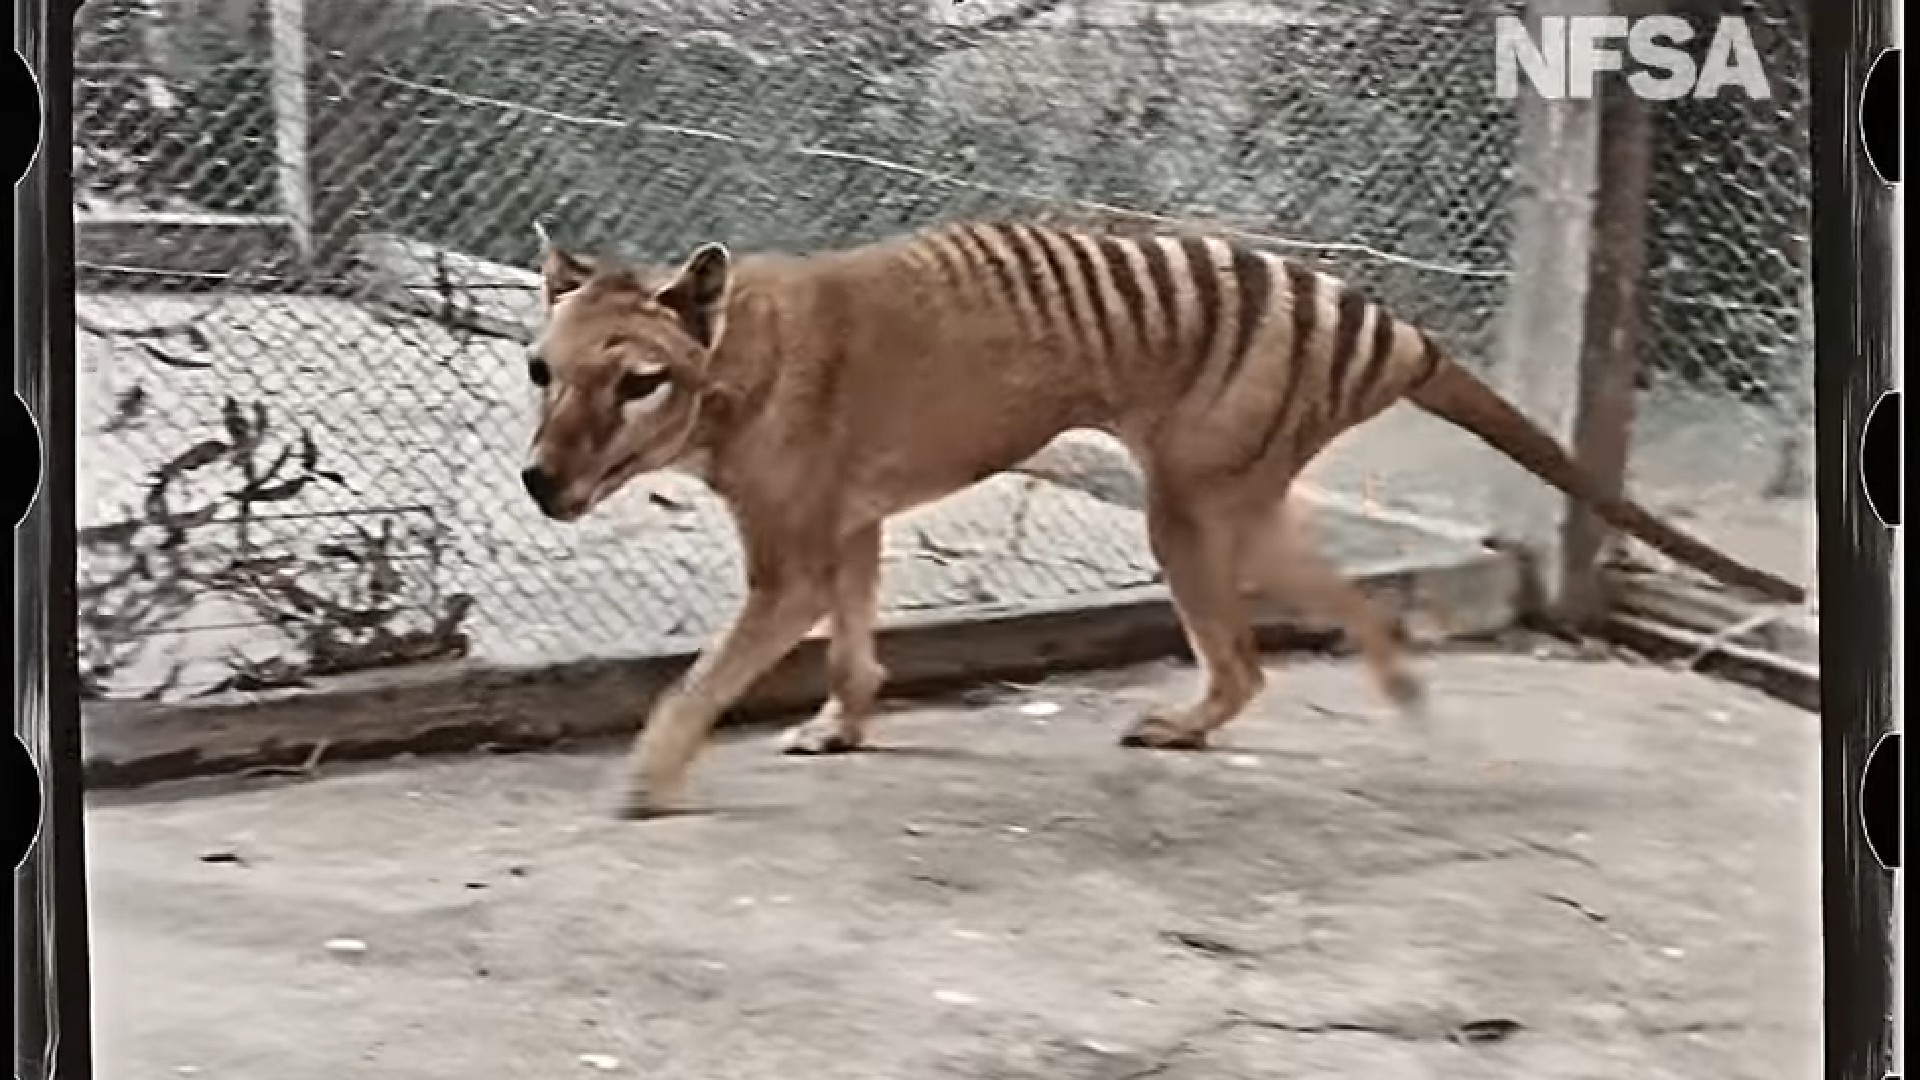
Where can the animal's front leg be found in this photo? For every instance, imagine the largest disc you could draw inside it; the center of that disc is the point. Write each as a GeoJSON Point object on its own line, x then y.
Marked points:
{"type": "Point", "coordinates": [776, 615]}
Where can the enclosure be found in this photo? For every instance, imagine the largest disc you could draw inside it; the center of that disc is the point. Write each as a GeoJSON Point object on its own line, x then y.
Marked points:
{"type": "Point", "coordinates": [306, 233]}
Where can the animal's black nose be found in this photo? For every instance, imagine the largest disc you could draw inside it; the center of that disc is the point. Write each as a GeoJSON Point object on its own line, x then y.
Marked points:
{"type": "Point", "coordinates": [539, 485]}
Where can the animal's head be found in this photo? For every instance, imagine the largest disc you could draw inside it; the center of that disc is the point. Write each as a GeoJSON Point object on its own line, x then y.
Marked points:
{"type": "Point", "coordinates": [621, 367]}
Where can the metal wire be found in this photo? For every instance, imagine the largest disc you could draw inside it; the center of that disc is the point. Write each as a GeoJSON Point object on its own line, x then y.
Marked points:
{"type": "Point", "coordinates": [437, 143]}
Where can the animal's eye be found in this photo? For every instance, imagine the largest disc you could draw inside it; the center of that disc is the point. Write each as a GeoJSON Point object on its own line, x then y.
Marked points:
{"type": "Point", "coordinates": [635, 385]}
{"type": "Point", "coordinates": [539, 373]}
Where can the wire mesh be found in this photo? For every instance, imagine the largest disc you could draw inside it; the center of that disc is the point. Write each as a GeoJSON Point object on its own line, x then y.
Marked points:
{"type": "Point", "coordinates": [1724, 428]}
{"type": "Point", "coordinates": [429, 137]}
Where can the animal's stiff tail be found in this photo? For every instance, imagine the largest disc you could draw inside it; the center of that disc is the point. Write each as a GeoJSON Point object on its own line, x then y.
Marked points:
{"type": "Point", "coordinates": [1453, 393]}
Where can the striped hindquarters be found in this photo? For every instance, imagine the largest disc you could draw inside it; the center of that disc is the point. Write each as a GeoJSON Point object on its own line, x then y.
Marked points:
{"type": "Point", "coordinates": [1343, 359]}
{"type": "Point", "coordinates": [1195, 320]}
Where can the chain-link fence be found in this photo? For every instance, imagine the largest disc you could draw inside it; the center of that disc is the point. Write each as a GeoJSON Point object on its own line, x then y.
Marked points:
{"type": "Point", "coordinates": [305, 234]}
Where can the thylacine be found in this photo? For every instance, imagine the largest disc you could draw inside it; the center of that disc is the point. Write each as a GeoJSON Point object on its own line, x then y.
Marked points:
{"type": "Point", "coordinates": [818, 395]}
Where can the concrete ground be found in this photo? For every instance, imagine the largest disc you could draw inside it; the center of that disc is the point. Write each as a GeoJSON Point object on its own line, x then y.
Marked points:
{"type": "Point", "coordinates": [1573, 869]}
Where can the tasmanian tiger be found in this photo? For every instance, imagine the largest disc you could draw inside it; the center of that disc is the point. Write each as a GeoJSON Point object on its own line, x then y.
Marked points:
{"type": "Point", "coordinates": [818, 395]}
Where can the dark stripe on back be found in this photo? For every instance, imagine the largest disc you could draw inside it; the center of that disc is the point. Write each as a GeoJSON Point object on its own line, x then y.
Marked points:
{"type": "Point", "coordinates": [1160, 272]}
{"type": "Point", "coordinates": [981, 250]}
{"type": "Point", "coordinates": [1026, 266]}
{"type": "Point", "coordinates": [1303, 284]}
{"type": "Point", "coordinates": [1102, 318]}
{"type": "Point", "coordinates": [1206, 291]}
{"type": "Point", "coordinates": [1379, 358]}
{"type": "Point", "coordinates": [1253, 281]}
{"type": "Point", "coordinates": [1064, 282]}
{"type": "Point", "coordinates": [1050, 284]}
{"type": "Point", "coordinates": [951, 261]}
{"type": "Point", "coordinates": [1128, 283]}
{"type": "Point", "coordinates": [1352, 313]}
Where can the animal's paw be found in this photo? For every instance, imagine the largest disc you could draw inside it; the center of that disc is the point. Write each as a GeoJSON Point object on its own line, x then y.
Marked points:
{"type": "Point", "coordinates": [635, 800]}
{"type": "Point", "coordinates": [820, 735]}
{"type": "Point", "coordinates": [1407, 692]}
{"type": "Point", "coordinates": [1156, 732]}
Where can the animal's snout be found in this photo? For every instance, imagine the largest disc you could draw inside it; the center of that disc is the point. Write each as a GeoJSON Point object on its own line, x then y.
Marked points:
{"type": "Point", "coordinates": [540, 487]}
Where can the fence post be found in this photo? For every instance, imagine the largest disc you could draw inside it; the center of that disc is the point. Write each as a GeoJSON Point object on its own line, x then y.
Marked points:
{"type": "Point", "coordinates": [289, 93]}
{"type": "Point", "coordinates": [1536, 363]}
{"type": "Point", "coordinates": [1793, 473]}
{"type": "Point", "coordinates": [1615, 330]}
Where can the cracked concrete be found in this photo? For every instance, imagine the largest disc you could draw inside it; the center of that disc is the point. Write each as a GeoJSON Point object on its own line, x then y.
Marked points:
{"type": "Point", "coordinates": [1573, 869]}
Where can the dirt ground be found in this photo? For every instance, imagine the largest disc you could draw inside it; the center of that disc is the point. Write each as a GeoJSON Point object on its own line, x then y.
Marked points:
{"type": "Point", "coordinates": [1571, 869]}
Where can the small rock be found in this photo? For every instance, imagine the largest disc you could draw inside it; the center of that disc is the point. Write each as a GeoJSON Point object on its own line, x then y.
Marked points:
{"type": "Point", "coordinates": [1492, 1030]}
{"type": "Point", "coordinates": [954, 997]}
{"type": "Point", "coordinates": [1243, 761]}
{"type": "Point", "coordinates": [1039, 708]}
{"type": "Point", "coordinates": [602, 1062]}
{"type": "Point", "coordinates": [912, 829]}
{"type": "Point", "coordinates": [1204, 943]}
{"type": "Point", "coordinates": [346, 946]}
{"type": "Point", "coordinates": [1673, 953]}
{"type": "Point", "coordinates": [222, 857]}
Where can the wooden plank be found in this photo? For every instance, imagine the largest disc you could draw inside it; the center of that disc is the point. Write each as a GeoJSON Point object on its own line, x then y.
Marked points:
{"type": "Point", "coordinates": [468, 705]}
{"type": "Point", "coordinates": [1789, 680]}
{"type": "Point", "coordinates": [1785, 631]}
{"type": "Point", "coordinates": [182, 250]}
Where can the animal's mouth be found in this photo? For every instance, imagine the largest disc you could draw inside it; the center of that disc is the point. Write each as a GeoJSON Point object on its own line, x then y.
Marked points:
{"type": "Point", "coordinates": [611, 480]}
{"type": "Point", "coordinates": [637, 462]}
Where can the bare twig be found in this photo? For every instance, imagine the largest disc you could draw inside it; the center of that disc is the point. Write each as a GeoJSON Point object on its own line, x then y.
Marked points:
{"type": "Point", "coordinates": [153, 575]}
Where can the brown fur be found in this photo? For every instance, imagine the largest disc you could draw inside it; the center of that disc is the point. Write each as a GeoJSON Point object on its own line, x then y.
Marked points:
{"type": "Point", "coordinates": [819, 395]}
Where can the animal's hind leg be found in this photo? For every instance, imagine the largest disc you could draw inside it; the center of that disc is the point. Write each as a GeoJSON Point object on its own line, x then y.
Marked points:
{"type": "Point", "coordinates": [854, 672]}
{"type": "Point", "coordinates": [1197, 541]}
{"type": "Point", "coordinates": [1280, 558]}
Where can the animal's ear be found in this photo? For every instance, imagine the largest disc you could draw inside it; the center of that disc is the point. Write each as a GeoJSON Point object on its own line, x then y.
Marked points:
{"type": "Point", "coordinates": [698, 292]}
{"type": "Point", "coordinates": [562, 273]}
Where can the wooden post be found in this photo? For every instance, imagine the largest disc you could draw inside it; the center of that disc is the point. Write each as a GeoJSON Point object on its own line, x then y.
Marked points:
{"type": "Point", "coordinates": [1537, 362]}
{"type": "Point", "coordinates": [1615, 331]}
{"type": "Point", "coordinates": [1793, 474]}
{"type": "Point", "coordinates": [289, 92]}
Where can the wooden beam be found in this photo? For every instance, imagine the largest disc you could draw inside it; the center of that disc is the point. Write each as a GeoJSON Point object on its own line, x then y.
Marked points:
{"type": "Point", "coordinates": [289, 91]}
{"type": "Point", "coordinates": [1536, 364]}
{"type": "Point", "coordinates": [1615, 322]}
